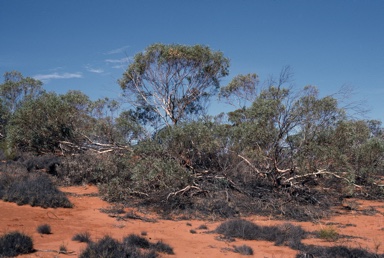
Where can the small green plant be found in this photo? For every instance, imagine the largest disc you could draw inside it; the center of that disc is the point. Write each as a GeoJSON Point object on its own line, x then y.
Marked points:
{"type": "Point", "coordinates": [328, 233]}
{"type": "Point", "coordinates": [44, 229]}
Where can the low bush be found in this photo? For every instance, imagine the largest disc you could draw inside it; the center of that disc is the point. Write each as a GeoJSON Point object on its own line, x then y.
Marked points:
{"type": "Point", "coordinates": [105, 247]}
{"type": "Point", "coordinates": [286, 234]}
{"type": "Point", "coordinates": [162, 247]}
{"type": "Point", "coordinates": [131, 246]}
{"type": "Point", "coordinates": [328, 234]}
{"type": "Point", "coordinates": [137, 241]}
{"type": "Point", "coordinates": [15, 243]}
{"type": "Point", "coordinates": [335, 251]}
{"type": "Point", "coordinates": [84, 237]}
{"type": "Point", "coordinates": [35, 189]}
{"type": "Point", "coordinates": [44, 229]}
{"type": "Point", "coordinates": [243, 249]}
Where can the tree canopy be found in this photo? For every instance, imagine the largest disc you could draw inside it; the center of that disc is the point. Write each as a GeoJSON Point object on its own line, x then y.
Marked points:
{"type": "Point", "coordinates": [173, 81]}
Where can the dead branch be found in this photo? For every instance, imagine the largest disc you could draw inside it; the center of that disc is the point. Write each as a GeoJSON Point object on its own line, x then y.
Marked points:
{"type": "Point", "coordinates": [321, 172]}
{"type": "Point", "coordinates": [97, 147]}
{"type": "Point", "coordinates": [182, 191]}
{"type": "Point", "coordinates": [250, 164]}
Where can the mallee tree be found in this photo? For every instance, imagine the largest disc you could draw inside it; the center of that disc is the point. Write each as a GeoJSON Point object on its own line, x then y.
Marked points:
{"type": "Point", "coordinates": [170, 83]}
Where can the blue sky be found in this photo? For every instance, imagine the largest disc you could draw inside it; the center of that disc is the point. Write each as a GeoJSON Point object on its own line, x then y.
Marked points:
{"type": "Point", "coordinates": [87, 44]}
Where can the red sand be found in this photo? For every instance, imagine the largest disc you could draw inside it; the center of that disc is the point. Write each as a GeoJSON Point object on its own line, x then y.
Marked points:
{"type": "Point", "coordinates": [85, 216]}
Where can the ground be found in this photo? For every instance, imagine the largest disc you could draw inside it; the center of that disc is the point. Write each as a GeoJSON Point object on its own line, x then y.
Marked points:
{"type": "Point", "coordinates": [361, 222]}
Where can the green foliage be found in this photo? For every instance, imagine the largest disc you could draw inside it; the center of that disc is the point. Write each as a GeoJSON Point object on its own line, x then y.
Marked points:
{"type": "Point", "coordinates": [328, 234]}
{"type": "Point", "coordinates": [40, 124]}
{"type": "Point", "coordinates": [195, 145]}
{"type": "Point", "coordinates": [17, 89]}
{"type": "Point", "coordinates": [241, 90]}
{"type": "Point", "coordinates": [173, 81]}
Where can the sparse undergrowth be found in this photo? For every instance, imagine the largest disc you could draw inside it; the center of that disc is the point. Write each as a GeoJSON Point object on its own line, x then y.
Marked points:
{"type": "Point", "coordinates": [288, 235]}
{"type": "Point", "coordinates": [131, 246]}
{"type": "Point", "coordinates": [15, 243]}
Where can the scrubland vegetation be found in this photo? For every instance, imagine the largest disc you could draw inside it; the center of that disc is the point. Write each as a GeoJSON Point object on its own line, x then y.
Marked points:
{"type": "Point", "coordinates": [283, 151]}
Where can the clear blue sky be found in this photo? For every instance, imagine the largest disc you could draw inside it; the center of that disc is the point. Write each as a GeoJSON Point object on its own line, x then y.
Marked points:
{"type": "Point", "coordinates": [86, 44]}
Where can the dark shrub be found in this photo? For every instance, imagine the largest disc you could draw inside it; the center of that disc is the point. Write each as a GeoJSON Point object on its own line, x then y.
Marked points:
{"type": "Point", "coordinates": [105, 247]}
{"type": "Point", "coordinates": [44, 229]}
{"type": "Point", "coordinates": [286, 234]}
{"type": "Point", "coordinates": [136, 241]}
{"type": "Point", "coordinates": [82, 237]}
{"type": "Point", "coordinates": [162, 247]}
{"type": "Point", "coordinates": [48, 163]}
{"type": "Point", "coordinates": [239, 228]}
{"type": "Point", "coordinates": [243, 249]}
{"type": "Point", "coordinates": [15, 243]}
{"type": "Point", "coordinates": [35, 189]}
{"type": "Point", "coordinates": [335, 251]}
{"type": "Point", "coordinates": [130, 247]}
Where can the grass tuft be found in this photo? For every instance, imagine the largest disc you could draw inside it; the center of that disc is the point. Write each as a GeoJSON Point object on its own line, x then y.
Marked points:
{"type": "Point", "coordinates": [84, 237]}
{"type": "Point", "coordinates": [44, 229]}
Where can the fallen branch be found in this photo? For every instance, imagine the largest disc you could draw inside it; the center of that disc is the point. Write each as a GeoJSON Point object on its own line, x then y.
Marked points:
{"type": "Point", "coordinates": [321, 172]}
{"type": "Point", "coordinates": [182, 191]}
{"type": "Point", "coordinates": [250, 164]}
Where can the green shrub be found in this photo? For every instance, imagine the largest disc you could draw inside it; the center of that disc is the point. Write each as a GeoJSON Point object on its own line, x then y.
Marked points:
{"type": "Point", "coordinates": [328, 234]}
{"type": "Point", "coordinates": [15, 243]}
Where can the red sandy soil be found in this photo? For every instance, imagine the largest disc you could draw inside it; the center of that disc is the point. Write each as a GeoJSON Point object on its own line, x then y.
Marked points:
{"type": "Point", "coordinates": [367, 230]}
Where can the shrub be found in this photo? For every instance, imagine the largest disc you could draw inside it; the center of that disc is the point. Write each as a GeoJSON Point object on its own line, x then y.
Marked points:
{"type": "Point", "coordinates": [35, 189]}
{"type": "Point", "coordinates": [130, 247]}
{"type": "Point", "coordinates": [44, 229]}
{"type": "Point", "coordinates": [328, 234]}
{"type": "Point", "coordinates": [162, 247]}
{"type": "Point", "coordinates": [105, 247]}
{"type": "Point", "coordinates": [137, 241]}
{"type": "Point", "coordinates": [82, 237]}
{"type": "Point", "coordinates": [15, 243]}
{"type": "Point", "coordinates": [202, 227]}
{"type": "Point", "coordinates": [243, 249]}
{"type": "Point", "coordinates": [335, 251]}
{"type": "Point", "coordinates": [286, 234]}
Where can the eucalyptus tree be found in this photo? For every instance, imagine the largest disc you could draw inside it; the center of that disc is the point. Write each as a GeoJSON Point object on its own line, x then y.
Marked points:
{"type": "Point", "coordinates": [17, 88]}
{"type": "Point", "coordinates": [173, 82]}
